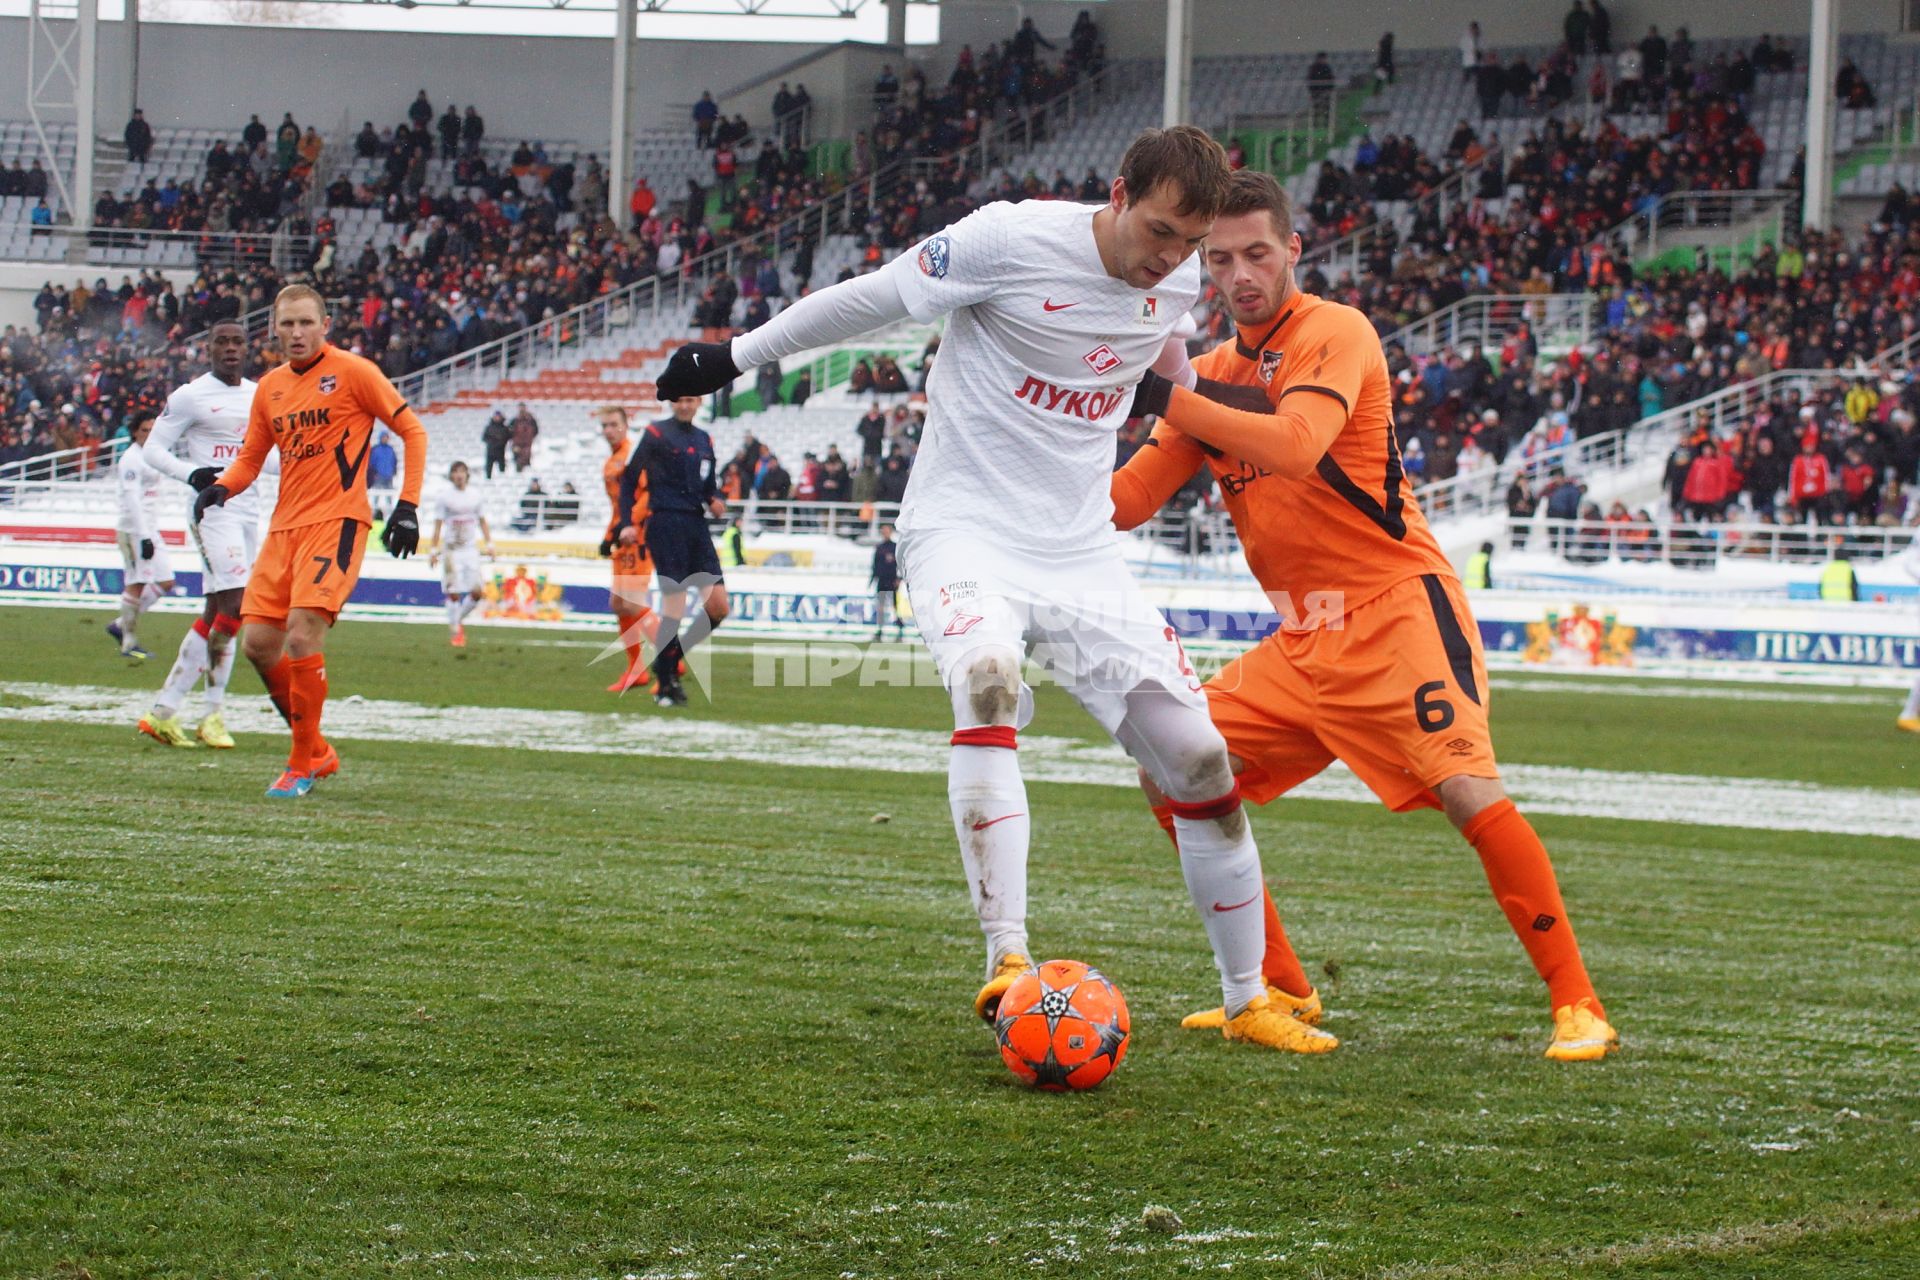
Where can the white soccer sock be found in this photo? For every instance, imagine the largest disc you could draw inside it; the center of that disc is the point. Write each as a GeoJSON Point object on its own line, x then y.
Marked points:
{"type": "Point", "coordinates": [989, 803]}
{"type": "Point", "coordinates": [1222, 868]}
{"type": "Point", "coordinates": [453, 612]}
{"type": "Point", "coordinates": [148, 594]}
{"type": "Point", "coordinates": [467, 605]}
{"type": "Point", "coordinates": [187, 667]}
{"type": "Point", "coordinates": [1912, 709]}
{"type": "Point", "coordinates": [220, 651]}
{"type": "Point", "coordinates": [129, 619]}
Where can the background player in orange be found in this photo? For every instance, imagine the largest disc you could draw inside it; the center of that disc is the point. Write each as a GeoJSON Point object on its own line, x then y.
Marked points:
{"type": "Point", "coordinates": [632, 569]}
{"type": "Point", "coordinates": [319, 410]}
{"type": "Point", "coordinates": [1377, 661]}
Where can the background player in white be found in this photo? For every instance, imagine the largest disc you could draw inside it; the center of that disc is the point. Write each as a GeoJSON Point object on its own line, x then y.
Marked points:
{"type": "Point", "coordinates": [1005, 534]}
{"type": "Point", "coordinates": [457, 512]}
{"type": "Point", "coordinates": [143, 553]}
{"type": "Point", "coordinates": [207, 419]}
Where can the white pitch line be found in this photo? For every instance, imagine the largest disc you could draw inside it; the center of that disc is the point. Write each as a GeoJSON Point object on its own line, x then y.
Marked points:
{"type": "Point", "coordinates": [1763, 804]}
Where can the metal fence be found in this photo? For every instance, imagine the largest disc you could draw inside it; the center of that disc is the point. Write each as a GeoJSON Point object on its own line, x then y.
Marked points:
{"type": "Point", "coordinates": [1677, 221]}
{"type": "Point", "coordinates": [1693, 545]}
{"type": "Point", "coordinates": [206, 250]}
{"type": "Point", "coordinates": [1558, 322]}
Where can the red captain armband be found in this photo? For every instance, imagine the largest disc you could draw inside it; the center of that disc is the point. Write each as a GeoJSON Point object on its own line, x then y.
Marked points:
{"type": "Point", "coordinates": [992, 735]}
{"type": "Point", "coordinates": [1206, 810]}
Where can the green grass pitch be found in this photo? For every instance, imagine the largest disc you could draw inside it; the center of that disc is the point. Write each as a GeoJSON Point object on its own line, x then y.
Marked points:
{"type": "Point", "coordinates": [483, 1011]}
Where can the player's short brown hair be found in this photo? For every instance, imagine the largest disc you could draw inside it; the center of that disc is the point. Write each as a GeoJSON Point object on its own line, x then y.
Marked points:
{"type": "Point", "coordinates": [1183, 156]}
{"type": "Point", "coordinates": [1250, 191]}
{"type": "Point", "coordinates": [605, 409]}
{"type": "Point", "coordinates": [296, 292]}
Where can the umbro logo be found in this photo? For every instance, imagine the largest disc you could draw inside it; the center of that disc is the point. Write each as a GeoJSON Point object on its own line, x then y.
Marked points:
{"type": "Point", "coordinates": [1459, 746]}
{"type": "Point", "coordinates": [1543, 922]}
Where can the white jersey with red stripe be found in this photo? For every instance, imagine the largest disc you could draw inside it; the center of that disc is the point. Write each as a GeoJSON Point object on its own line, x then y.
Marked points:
{"type": "Point", "coordinates": [1034, 376]}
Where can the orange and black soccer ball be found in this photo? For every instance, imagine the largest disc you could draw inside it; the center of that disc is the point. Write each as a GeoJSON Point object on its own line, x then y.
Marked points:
{"type": "Point", "coordinates": [1062, 1026]}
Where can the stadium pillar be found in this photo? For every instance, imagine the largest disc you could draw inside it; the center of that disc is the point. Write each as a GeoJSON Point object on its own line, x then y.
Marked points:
{"type": "Point", "coordinates": [1173, 107]}
{"type": "Point", "coordinates": [86, 83]}
{"type": "Point", "coordinates": [1816, 200]}
{"type": "Point", "coordinates": [897, 23]}
{"type": "Point", "coordinates": [620, 148]}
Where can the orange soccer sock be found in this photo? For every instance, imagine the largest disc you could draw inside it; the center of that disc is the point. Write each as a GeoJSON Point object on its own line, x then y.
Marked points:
{"type": "Point", "coordinates": [1522, 879]}
{"type": "Point", "coordinates": [632, 628]}
{"type": "Point", "coordinates": [1279, 966]}
{"type": "Point", "coordinates": [279, 681]}
{"type": "Point", "coordinates": [308, 698]}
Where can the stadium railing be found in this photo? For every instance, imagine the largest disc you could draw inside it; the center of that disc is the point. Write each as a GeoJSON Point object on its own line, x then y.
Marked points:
{"type": "Point", "coordinates": [1676, 222]}
{"type": "Point", "coordinates": [62, 466]}
{"type": "Point", "coordinates": [1346, 256]}
{"type": "Point", "coordinates": [218, 250]}
{"type": "Point", "coordinates": [1559, 322]}
{"type": "Point", "coordinates": [844, 210]}
{"type": "Point", "coordinates": [1702, 545]}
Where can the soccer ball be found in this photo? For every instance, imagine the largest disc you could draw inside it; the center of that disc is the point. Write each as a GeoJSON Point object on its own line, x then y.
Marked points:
{"type": "Point", "coordinates": [1062, 1026]}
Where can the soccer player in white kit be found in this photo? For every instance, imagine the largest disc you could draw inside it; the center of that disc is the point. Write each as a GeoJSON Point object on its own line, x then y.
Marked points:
{"type": "Point", "coordinates": [457, 512]}
{"type": "Point", "coordinates": [1006, 536]}
{"type": "Point", "coordinates": [207, 420]}
{"type": "Point", "coordinates": [148, 570]}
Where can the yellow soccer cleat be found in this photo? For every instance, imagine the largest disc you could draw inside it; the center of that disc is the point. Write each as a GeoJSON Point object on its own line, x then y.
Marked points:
{"type": "Point", "coordinates": [1910, 723]}
{"type": "Point", "coordinates": [987, 1003]}
{"type": "Point", "coordinates": [165, 730]}
{"type": "Point", "coordinates": [1306, 1008]}
{"type": "Point", "coordinates": [1266, 1023]}
{"type": "Point", "coordinates": [213, 732]}
{"type": "Point", "coordinates": [1580, 1034]}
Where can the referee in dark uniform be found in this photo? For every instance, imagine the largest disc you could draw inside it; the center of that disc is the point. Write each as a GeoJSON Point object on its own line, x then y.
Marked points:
{"type": "Point", "coordinates": [677, 458]}
{"type": "Point", "coordinates": [885, 580]}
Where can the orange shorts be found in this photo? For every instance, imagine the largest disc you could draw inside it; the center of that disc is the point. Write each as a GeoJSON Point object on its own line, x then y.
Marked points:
{"type": "Point", "coordinates": [313, 566]}
{"type": "Point", "coordinates": [1399, 694]}
{"type": "Point", "coordinates": [632, 578]}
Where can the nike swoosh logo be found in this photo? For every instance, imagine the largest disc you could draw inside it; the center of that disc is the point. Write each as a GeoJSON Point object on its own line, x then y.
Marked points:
{"type": "Point", "coordinates": [982, 826]}
{"type": "Point", "coordinates": [696, 359]}
{"type": "Point", "coordinates": [1051, 305]}
{"type": "Point", "coordinates": [1236, 906]}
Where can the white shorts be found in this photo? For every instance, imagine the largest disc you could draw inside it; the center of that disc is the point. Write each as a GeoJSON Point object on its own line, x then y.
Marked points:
{"type": "Point", "coordinates": [1081, 618]}
{"type": "Point", "coordinates": [228, 540]}
{"type": "Point", "coordinates": [140, 572]}
{"type": "Point", "coordinates": [460, 570]}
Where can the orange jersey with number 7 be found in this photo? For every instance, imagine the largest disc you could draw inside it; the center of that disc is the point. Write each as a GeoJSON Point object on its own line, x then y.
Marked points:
{"type": "Point", "coordinates": [321, 417]}
{"type": "Point", "coordinates": [1330, 510]}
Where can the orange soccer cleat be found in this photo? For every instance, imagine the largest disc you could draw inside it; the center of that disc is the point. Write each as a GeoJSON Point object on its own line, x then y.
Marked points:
{"type": "Point", "coordinates": [327, 764]}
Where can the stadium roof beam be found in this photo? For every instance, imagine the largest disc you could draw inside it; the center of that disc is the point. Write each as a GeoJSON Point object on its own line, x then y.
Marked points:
{"type": "Point", "coordinates": [62, 70]}
{"type": "Point", "coordinates": [1816, 196]}
{"type": "Point", "coordinates": [1179, 63]}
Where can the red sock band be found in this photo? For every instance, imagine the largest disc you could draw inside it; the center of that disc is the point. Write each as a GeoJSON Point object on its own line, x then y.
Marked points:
{"type": "Point", "coordinates": [226, 624]}
{"type": "Point", "coordinates": [989, 735]}
{"type": "Point", "coordinates": [201, 629]}
{"type": "Point", "coordinates": [1202, 810]}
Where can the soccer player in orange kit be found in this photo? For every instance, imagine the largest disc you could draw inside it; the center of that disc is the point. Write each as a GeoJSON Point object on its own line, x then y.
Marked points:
{"type": "Point", "coordinates": [1377, 661]}
{"type": "Point", "coordinates": [319, 410]}
{"type": "Point", "coordinates": [632, 567]}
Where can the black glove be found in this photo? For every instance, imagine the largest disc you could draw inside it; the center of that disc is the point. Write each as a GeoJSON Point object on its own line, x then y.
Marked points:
{"type": "Point", "coordinates": [214, 495]}
{"type": "Point", "coordinates": [606, 546]}
{"type": "Point", "coordinates": [401, 537]}
{"type": "Point", "coordinates": [1151, 396]}
{"type": "Point", "coordinates": [146, 548]}
{"type": "Point", "coordinates": [697, 369]}
{"type": "Point", "coordinates": [203, 477]}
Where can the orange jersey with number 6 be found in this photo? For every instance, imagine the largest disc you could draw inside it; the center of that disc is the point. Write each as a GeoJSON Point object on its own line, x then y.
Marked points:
{"type": "Point", "coordinates": [1345, 521]}
{"type": "Point", "coordinates": [321, 417]}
